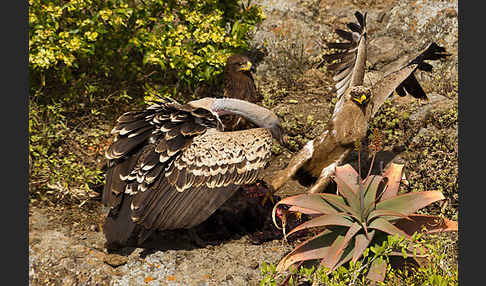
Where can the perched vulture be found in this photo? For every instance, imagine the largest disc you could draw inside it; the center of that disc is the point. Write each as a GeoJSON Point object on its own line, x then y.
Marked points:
{"type": "Point", "coordinates": [171, 167]}
{"type": "Point", "coordinates": [239, 84]}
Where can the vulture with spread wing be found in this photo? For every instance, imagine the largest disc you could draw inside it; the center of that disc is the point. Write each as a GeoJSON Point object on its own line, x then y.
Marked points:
{"type": "Point", "coordinates": [171, 165]}
{"type": "Point", "coordinates": [357, 104]}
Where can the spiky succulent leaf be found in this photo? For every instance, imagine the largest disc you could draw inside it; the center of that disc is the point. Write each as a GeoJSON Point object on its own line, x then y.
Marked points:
{"type": "Point", "coordinates": [307, 202]}
{"type": "Point", "coordinates": [346, 256]}
{"type": "Point", "coordinates": [315, 247]}
{"type": "Point", "coordinates": [297, 209]}
{"type": "Point", "coordinates": [352, 196]}
{"type": "Point", "coordinates": [385, 213]}
{"type": "Point", "coordinates": [336, 250]}
{"type": "Point", "coordinates": [348, 175]}
{"type": "Point", "coordinates": [394, 175]}
{"type": "Point", "coordinates": [325, 220]}
{"type": "Point", "coordinates": [340, 204]}
{"type": "Point", "coordinates": [431, 223]}
{"type": "Point", "coordinates": [361, 242]}
{"type": "Point", "coordinates": [370, 187]}
{"type": "Point", "coordinates": [383, 225]}
{"type": "Point", "coordinates": [410, 202]}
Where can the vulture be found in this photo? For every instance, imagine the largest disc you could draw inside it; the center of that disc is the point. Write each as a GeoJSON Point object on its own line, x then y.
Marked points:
{"type": "Point", "coordinates": [238, 81]}
{"type": "Point", "coordinates": [239, 84]}
{"type": "Point", "coordinates": [172, 165]}
{"type": "Point", "coordinates": [314, 164]}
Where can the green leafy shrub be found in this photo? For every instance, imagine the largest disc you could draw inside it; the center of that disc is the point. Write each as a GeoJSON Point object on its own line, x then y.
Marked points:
{"type": "Point", "coordinates": [168, 46]}
{"type": "Point", "coordinates": [62, 160]}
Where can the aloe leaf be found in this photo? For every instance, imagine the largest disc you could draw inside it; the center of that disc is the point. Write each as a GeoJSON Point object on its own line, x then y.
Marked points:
{"type": "Point", "coordinates": [307, 201]}
{"type": "Point", "coordinates": [361, 243]}
{"type": "Point", "coordinates": [313, 248]}
{"type": "Point", "coordinates": [346, 256]}
{"type": "Point", "coordinates": [410, 202]}
{"type": "Point", "coordinates": [340, 204]}
{"type": "Point", "coordinates": [370, 186]}
{"type": "Point", "coordinates": [431, 223]}
{"type": "Point", "coordinates": [306, 211]}
{"type": "Point", "coordinates": [340, 219]}
{"type": "Point", "coordinates": [338, 246]}
{"type": "Point", "coordinates": [394, 175]}
{"type": "Point", "coordinates": [348, 175]}
{"type": "Point", "coordinates": [386, 226]}
{"type": "Point", "coordinates": [387, 213]}
{"type": "Point", "coordinates": [351, 195]}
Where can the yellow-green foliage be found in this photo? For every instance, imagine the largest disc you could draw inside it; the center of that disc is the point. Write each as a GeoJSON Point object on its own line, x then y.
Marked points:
{"type": "Point", "coordinates": [61, 159]}
{"type": "Point", "coordinates": [172, 45]}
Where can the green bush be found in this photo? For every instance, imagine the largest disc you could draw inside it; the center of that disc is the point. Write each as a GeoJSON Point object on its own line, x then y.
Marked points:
{"type": "Point", "coordinates": [168, 46]}
{"type": "Point", "coordinates": [62, 160]}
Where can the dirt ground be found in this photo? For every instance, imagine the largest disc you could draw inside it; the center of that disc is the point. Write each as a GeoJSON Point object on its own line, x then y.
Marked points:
{"type": "Point", "coordinates": [66, 243]}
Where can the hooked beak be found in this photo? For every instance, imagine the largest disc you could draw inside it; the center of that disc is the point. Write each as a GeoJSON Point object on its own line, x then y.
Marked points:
{"type": "Point", "coordinates": [361, 100]}
{"type": "Point", "coordinates": [248, 67]}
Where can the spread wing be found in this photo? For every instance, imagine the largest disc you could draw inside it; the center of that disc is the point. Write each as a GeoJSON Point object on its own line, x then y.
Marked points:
{"type": "Point", "coordinates": [201, 178]}
{"type": "Point", "coordinates": [402, 79]}
{"type": "Point", "coordinates": [351, 55]}
{"type": "Point", "coordinates": [184, 170]}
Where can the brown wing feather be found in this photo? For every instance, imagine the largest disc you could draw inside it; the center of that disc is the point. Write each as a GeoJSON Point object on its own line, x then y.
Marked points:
{"type": "Point", "coordinates": [137, 157]}
{"type": "Point", "coordinates": [176, 181]}
{"type": "Point", "coordinates": [202, 178]}
{"type": "Point", "coordinates": [350, 68]}
{"type": "Point", "coordinates": [402, 78]}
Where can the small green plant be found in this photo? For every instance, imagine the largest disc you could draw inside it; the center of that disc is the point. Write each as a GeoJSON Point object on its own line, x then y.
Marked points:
{"type": "Point", "coordinates": [437, 271]}
{"type": "Point", "coordinates": [362, 213]}
{"type": "Point", "coordinates": [62, 160]}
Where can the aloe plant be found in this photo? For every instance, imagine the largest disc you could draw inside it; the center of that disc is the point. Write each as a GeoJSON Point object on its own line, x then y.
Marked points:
{"type": "Point", "coordinates": [358, 215]}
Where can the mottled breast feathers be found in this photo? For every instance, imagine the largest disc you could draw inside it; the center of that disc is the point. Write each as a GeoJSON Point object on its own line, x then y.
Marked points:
{"type": "Point", "coordinates": [176, 167]}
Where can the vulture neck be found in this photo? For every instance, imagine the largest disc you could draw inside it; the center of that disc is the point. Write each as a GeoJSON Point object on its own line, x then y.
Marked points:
{"type": "Point", "coordinates": [261, 116]}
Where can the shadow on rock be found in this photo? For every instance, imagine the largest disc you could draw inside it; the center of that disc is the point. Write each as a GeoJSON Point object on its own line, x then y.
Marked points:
{"type": "Point", "coordinates": [242, 215]}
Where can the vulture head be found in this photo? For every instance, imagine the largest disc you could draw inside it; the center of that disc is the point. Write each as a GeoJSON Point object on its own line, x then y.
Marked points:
{"type": "Point", "coordinates": [238, 80]}
{"type": "Point", "coordinates": [360, 94]}
{"type": "Point", "coordinates": [258, 115]}
{"type": "Point", "coordinates": [238, 64]}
